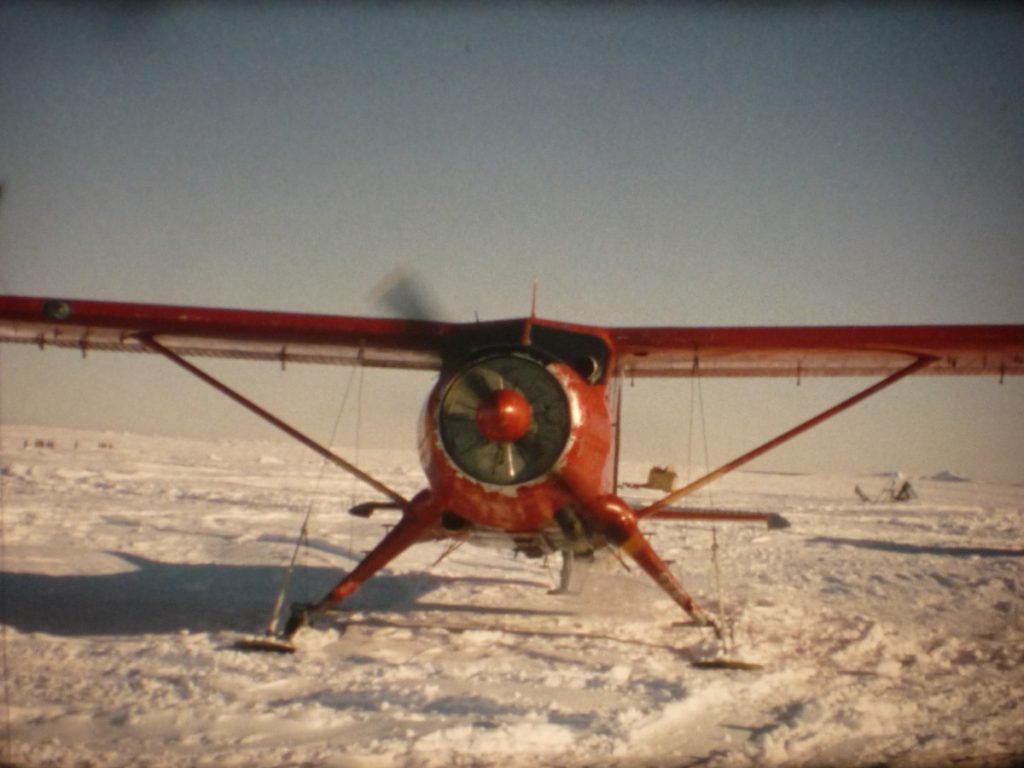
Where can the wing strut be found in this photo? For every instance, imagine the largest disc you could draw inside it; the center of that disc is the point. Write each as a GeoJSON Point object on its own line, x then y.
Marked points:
{"type": "Point", "coordinates": [241, 399]}
{"type": "Point", "coordinates": [739, 461]}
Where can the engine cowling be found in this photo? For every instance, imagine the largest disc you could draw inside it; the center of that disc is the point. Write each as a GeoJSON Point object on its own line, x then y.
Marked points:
{"type": "Point", "coordinates": [519, 424]}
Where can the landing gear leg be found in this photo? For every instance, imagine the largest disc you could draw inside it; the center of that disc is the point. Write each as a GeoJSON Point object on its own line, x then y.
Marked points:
{"type": "Point", "coordinates": [420, 516]}
{"type": "Point", "coordinates": [615, 519]}
{"type": "Point", "coordinates": [565, 575]}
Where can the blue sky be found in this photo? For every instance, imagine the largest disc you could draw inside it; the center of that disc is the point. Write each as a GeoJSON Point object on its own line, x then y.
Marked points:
{"type": "Point", "coordinates": [666, 164]}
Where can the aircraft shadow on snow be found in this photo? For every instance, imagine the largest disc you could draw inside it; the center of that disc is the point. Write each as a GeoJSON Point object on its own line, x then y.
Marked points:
{"type": "Point", "coordinates": [161, 598]}
{"type": "Point", "coordinates": [917, 549]}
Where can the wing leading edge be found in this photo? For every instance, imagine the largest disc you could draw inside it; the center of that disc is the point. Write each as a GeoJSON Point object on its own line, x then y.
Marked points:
{"type": "Point", "coordinates": [285, 338]}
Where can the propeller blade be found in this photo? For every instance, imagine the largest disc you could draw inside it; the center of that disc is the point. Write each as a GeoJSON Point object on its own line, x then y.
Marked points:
{"type": "Point", "coordinates": [469, 391]}
{"type": "Point", "coordinates": [480, 384]}
{"type": "Point", "coordinates": [405, 295]}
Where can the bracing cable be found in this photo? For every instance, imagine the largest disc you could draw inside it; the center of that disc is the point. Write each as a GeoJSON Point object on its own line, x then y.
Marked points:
{"type": "Point", "coordinates": [697, 393]}
{"type": "Point", "coordinates": [303, 538]}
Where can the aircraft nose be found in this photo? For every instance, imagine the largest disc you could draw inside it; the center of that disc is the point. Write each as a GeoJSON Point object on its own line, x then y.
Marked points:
{"type": "Point", "coordinates": [503, 416]}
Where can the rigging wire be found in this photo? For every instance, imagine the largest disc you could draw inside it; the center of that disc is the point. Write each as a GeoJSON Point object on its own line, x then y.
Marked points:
{"type": "Point", "coordinates": [697, 394]}
{"type": "Point", "coordinates": [704, 432]}
{"type": "Point", "coordinates": [689, 432]}
{"type": "Point", "coordinates": [302, 540]}
{"type": "Point", "coordinates": [353, 484]}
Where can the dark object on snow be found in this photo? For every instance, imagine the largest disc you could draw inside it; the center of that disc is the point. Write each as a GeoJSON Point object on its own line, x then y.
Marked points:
{"type": "Point", "coordinates": [898, 490]}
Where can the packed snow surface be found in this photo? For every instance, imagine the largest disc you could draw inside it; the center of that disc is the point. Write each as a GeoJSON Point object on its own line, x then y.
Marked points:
{"type": "Point", "coordinates": [885, 634]}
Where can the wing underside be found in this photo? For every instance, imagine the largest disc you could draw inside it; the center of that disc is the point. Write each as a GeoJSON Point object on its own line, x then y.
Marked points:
{"type": "Point", "coordinates": [283, 338]}
{"type": "Point", "coordinates": [796, 352]}
{"type": "Point", "coordinates": [286, 338]}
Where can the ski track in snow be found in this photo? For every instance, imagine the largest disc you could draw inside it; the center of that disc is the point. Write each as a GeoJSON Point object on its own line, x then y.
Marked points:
{"type": "Point", "coordinates": [889, 633]}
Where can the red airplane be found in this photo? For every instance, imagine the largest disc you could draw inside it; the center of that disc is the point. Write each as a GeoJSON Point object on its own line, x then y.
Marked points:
{"type": "Point", "coordinates": [519, 436]}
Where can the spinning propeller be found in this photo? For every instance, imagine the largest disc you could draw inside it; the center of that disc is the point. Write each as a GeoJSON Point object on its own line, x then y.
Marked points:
{"type": "Point", "coordinates": [405, 295]}
{"type": "Point", "coordinates": [504, 419]}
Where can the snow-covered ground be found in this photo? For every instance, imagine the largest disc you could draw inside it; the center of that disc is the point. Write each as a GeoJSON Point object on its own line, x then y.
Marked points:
{"type": "Point", "coordinates": [888, 633]}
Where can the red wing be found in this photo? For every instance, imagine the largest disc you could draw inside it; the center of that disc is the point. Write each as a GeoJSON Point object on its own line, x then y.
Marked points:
{"type": "Point", "coordinates": [327, 339]}
{"type": "Point", "coordinates": [277, 336]}
{"type": "Point", "coordinates": [819, 351]}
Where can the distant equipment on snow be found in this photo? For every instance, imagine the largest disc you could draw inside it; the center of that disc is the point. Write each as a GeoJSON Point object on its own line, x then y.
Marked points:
{"type": "Point", "coordinates": [658, 479]}
{"type": "Point", "coordinates": [899, 489]}
{"type": "Point", "coordinates": [662, 479]}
